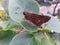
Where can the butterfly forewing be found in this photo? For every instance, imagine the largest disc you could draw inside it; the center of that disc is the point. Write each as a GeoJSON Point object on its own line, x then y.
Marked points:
{"type": "Point", "coordinates": [38, 20]}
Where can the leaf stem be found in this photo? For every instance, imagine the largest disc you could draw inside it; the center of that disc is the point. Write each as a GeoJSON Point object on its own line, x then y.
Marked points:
{"type": "Point", "coordinates": [44, 33]}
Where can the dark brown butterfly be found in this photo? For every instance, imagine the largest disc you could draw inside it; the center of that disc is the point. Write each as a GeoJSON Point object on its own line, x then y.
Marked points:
{"type": "Point", "coordinates": [38, 20]}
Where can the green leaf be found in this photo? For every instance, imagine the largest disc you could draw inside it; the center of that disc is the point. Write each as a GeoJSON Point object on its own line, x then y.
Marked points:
{"type": "Point", "coordinates": [53, 41]}
{"type": "Point", "coordinates": [21, 39]}
{"type": "Point", "coordinates": [17, 7]}
{"type": "Point", "coordinates": [34, 41]}
{"type": "Point", "coordinates": [14, 27]}
{"type": "Point", "coordinates": [5, 33]}
{"type": "Point", "coordinates": [5, 24]}
{"type": "Point", "coordinates": [28, 39]}
{"type": "Point", "coordinates": [6, 40]}
{"type": "Point", "coordinates": [29, 26]}
{"type": "Point", "coordinates": [45, 41]}
{"type": "Point", "coordinates": [24, 39]}
{"type": "Point", "coordinates": [40, 36]}
{"type": "Point", "coordinates": [45, 30]}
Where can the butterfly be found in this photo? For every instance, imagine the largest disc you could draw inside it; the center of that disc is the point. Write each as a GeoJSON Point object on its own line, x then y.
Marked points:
{"type": "Point", "coordinates": [36, 19]}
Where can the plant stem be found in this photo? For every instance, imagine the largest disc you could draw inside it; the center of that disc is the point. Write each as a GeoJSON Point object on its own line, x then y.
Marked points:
{"type": "Point", "coordinates": [55, 9]}
{"type": "Point", "coordinates": [44, 33]}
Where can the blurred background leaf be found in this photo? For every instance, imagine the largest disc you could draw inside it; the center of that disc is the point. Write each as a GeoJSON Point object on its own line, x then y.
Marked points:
{"type": "Point", "coordinates": [6, 37]}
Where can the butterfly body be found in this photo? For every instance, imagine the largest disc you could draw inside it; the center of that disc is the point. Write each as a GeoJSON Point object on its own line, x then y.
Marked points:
{"type": "Point", "coordinates": [38, 20]}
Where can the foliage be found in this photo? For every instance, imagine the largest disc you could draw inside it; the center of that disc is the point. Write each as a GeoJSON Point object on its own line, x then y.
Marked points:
{"type": "Point", "coordinates": [14, 20]}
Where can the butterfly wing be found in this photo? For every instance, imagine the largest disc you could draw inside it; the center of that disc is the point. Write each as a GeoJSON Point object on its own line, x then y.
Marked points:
{"type": "Point", "coordinates": [38, 20]}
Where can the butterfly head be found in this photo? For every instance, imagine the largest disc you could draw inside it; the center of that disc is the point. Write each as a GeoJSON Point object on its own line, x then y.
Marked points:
{"type": "Point", "coordinates": [27, 15]}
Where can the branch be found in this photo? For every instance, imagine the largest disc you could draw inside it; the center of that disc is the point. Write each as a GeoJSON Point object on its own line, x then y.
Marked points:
{"type": "Point", "coordinates": [55, 9]}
